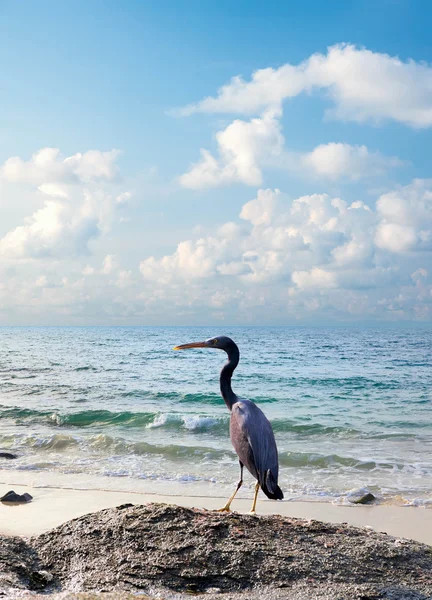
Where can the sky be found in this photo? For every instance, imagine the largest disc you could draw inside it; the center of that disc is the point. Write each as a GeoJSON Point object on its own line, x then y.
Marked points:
{"type": "Point", "coordinates": [202, 163]}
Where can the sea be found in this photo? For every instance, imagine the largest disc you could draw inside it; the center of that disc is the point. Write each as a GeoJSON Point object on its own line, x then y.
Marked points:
{"type": "Point", "coordinates": [116, 408]}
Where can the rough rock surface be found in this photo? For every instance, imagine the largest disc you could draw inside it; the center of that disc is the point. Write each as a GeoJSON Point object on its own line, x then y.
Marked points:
{"type": "Point", "coordinates": [181, 551]}
{"type": "Point", "coordinates": [19, 567]}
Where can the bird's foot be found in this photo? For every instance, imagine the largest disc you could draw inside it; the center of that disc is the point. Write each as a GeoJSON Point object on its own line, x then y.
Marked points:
{"type": "Point", "coordinates": [252, 512]}
{"type": "Point", "coordinates": [225, 508]}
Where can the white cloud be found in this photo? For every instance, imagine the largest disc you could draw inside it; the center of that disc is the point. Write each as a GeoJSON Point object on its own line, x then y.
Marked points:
{"type": "Point", "coordinates": [123, 198]}
{"type": "Point", "coordinates": [313, 259]}
{"type": "Point", "coordinates": [396, 238]}
{"type": "Point", "coordinates": [363, 85]}
{"type": "Point", "coordinates": [109, 264]}
{"type": "Point", "coordinates": [280, 238]}
{"type": "Point", "coordinates": [53, 189]}
{"type": "Point", "coordinates": [61, 228]}
{"type": "Point", "coordinates": [406, 218]}
{"type": "Point", "coordinates": [76, 207]}
{"type": "Point", "coordinates": [316, 254]}
{"type": "Point", "coordinates": [337, 160]}
{"type": "Point", "coordinates": [316, 278]}
{"type": "Point", "coordinates": [261, 210]}
{"type": "Point", "coordinates": [243, 147]}
{"type": "Point", "coordinates": [191, 260]}
{"type": "Point", "coordinates": [317, 258]}
{"type": "Point", "coordinates": [47, 166]}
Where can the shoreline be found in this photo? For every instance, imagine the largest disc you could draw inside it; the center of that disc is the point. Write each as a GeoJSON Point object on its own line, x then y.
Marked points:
{"type": "Point", "coordinates": [53, 506]}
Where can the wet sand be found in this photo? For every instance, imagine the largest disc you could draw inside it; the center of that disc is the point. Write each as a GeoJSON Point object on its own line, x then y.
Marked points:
{"type": "Point", "coordinates": [53, 506]}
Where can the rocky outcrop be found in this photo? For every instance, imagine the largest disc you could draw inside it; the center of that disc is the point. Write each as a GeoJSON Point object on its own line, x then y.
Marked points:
{"type": "Point", "coordinates": [184, 551]}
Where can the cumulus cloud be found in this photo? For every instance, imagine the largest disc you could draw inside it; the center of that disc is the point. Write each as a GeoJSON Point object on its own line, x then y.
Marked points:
{"type": "Point", "coordinates": [262, 209]}
{"type": "Point", "coordinates": [316, 258]}
{"type": "Point", "coordinates": [75, 208]}
{"type": "Point", "coordinates": [405, 218]}
{"type": "Point", "coordinates": [243, 147]}
{"type": "Point", "coordinates": [109, 264]}
{"type": "Point", "coordinates": [282, 237]}
{"type": "Point", "coordinates": [61, 228]}
{"type": "Point", "coordinates": [47, 167]}
{"type": "Point", "coordinates": [362, 85]}
{"type": "Point", "coordinates": [316, 278]}
{"type": "Point", "coordinates": [337, 160]}
{"type": "Point", "coordinates": [313, 254]}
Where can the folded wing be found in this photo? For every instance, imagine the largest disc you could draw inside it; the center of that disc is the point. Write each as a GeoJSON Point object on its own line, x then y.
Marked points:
{"type": "Point", "coordinates": [253, 439]}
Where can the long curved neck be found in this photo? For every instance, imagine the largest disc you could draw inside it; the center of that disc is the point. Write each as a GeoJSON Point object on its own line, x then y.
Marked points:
{"type": "Point", "coordinates": [226, 374]}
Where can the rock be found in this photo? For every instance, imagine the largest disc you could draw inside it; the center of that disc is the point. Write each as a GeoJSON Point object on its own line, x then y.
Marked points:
{"type": "Point", "coordinates": [8, 455]}
{"type": "Point", "coordinates": [17, 562]}
{"type": "Point", "coordinates": [366, 499]}
{"type": "Point", "coordinates": [142, 547]}
{"type": "Point", "coordinates": [14, 498]}
{"type": "Point", "coordinates": [172, 552]}
{"type": "Point", "coordinates": [360, 496]}
{"type": "Point", "coordinates": [39, 580]}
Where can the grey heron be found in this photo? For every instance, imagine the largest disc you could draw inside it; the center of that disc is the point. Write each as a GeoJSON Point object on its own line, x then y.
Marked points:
{"type": "Point", "coordinates": [250, 431]}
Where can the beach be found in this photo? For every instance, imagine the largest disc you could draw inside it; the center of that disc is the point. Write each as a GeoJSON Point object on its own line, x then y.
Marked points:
{"type": "Point", "coordinates": [54, 506]}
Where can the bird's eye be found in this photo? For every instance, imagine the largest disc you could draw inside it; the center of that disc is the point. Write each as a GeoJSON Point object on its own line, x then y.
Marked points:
{"type": "Point", "coordinates": [215, 341]}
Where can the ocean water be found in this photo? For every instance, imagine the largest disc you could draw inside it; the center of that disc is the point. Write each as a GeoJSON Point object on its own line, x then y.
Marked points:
{"type": "Point", "coordinates": [116, 408]}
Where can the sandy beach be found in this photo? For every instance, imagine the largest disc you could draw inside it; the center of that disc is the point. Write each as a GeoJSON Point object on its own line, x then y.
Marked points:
{"type": "Point", "coordinates": [53, 506]}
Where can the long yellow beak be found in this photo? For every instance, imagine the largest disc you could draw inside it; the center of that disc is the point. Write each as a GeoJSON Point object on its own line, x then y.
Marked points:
{"type": "Point", "coordinates": [191, 345]}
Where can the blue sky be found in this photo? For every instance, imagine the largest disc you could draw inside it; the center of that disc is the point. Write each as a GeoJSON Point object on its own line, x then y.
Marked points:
{"type": "Point", "coordinates": [98, 76]}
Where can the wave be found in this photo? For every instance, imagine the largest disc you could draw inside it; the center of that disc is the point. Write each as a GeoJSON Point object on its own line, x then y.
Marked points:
{"type": "Point", "coordinates": [93, 448]}
{"type": "Point", "coordinates": [102, 444]}
{"type": "Point", "coordinates": [350, 383]}
{"type": "Point", "coordinates": [85, 418]}
{"type": "Point", "coordinates": [91, 418]}
{"type": "Point", "coordinates": [333, 461]}
{"type": "Point", "coordinates": [215, 424]}
{"type": "Point", "coordinates": [285, 425]}
{"type": "Point", "coordinates": [189, 422]}
{"type": "Point", "coordinates": [153, 420]}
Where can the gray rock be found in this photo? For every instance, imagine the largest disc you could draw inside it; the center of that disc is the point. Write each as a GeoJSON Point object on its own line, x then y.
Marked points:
{"type": "Point", "coordinates": [8, 455]}
{"type": "Point", "coordinates": [14, 498]}
{"type": "Point", "coordinates": [366, 499]}
{"type": "Point", "coordinates": [360, 496]}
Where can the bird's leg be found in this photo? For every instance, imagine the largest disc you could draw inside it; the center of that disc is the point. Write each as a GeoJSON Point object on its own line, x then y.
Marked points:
{"type": "Point", "coordinates": [226, 508]}
{"type": "Point", "coordinates": [257, 487]}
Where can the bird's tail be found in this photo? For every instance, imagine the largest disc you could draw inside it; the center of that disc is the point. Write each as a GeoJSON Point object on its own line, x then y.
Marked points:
{"type": "Point", "coordinates": [270, 486]}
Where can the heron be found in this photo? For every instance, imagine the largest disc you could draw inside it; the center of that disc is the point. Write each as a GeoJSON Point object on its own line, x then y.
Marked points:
{"type": "Point", "coordinates": [250, 431]}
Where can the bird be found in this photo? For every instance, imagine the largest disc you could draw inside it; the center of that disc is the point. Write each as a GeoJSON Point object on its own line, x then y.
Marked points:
{"type": "Point", "coordinates": [250, 431]}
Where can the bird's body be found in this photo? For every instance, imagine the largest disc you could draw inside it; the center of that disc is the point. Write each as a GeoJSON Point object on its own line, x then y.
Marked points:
{"type": "Point", "coordinates": [253, 440]}
{"type": "Point", "coordinates": [250, 431]}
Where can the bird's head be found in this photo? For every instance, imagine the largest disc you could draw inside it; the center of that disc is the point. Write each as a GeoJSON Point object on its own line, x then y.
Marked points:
{"type": "Point", "coordinates": [220, 343]}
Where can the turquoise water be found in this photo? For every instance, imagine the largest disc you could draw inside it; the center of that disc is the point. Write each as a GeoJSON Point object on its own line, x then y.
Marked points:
{"type": "Point", "coordinates": [349, 407]}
